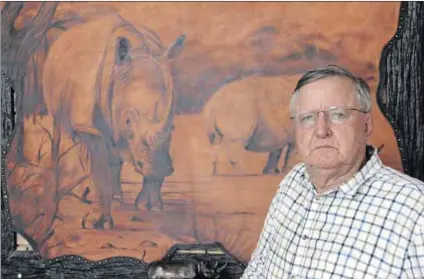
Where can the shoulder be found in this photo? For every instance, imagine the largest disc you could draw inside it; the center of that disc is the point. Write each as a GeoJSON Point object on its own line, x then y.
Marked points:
{"type": "Point", "coordinates": [394, 180]}
{"type": "Point", "coordinates": [388, 183]}
{"type": "Point", "coordinates": [403, 190]}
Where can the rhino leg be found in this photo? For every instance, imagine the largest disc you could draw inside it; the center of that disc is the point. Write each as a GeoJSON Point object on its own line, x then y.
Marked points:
{"type": "Point", "coordinates": [116, 167]}
{"type": "Point", "coordinates": [150, 195]}
{"type": "Point", "coordinates": [101, 175]}
{"type": "Point", "coordinates": [271, 166]}
{"type": "Point", "coordinates": [290, 148]}
{"type": "Point", "coordinates": [84, 197]}
{"type": "Point", "coordinates": [215, 159]}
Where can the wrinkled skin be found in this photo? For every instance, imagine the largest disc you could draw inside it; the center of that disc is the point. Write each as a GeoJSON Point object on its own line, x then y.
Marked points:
{"type": "Point", "coordinates": [332, 152]}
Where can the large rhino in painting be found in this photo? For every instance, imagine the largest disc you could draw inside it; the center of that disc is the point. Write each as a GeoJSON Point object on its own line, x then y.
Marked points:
{"type": "Point", "coordinates": [108, 85]}
{"type": "Point", "coordinates": [251, 114]}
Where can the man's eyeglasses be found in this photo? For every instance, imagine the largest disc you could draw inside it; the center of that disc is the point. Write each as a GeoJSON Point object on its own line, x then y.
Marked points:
{"type": "Point", "coordinates": [336, 116]}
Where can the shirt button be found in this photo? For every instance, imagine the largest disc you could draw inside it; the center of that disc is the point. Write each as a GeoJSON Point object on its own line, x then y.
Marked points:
{"type": "Point", "coordinates": [304, 236]}
{"type": "Point", "coordinates": [317, 198]}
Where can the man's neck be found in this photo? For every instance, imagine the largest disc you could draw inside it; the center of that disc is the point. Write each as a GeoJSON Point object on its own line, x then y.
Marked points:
{"type": "Point", "coordinates": [325, 180]}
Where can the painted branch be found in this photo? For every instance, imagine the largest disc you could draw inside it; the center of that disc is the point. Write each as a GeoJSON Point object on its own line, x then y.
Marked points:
{"type": "Point", "coordinates": [9, 13]}
{"type": "Point", "coordinates": [35, 32]}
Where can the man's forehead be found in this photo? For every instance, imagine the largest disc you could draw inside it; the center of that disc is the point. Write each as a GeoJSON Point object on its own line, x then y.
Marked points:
{"type": "Point", "coordinates": [338, 89]}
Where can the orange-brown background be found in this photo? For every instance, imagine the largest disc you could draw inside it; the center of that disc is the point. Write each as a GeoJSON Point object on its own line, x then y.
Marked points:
{"type": "Point", "coordinates": [227, 208]}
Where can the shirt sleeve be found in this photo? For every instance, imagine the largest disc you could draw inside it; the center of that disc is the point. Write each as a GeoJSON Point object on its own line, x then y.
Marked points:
{"type": "Point", "coordinates": [256, 266]}
{"type": "Point", "coordinates": [414, 264]}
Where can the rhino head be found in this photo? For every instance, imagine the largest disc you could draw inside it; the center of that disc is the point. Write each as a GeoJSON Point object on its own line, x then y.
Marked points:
{"type": "Point", "coordinates": [142, 101]}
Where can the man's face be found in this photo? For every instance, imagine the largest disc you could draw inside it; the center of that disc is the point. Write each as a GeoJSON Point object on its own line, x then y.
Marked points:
{"type": "Point", "coordinates": [328, 145]}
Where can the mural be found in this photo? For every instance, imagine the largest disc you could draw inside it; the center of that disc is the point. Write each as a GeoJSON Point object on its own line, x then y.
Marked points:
{"type": "Point", "coordinates": [143, 124]}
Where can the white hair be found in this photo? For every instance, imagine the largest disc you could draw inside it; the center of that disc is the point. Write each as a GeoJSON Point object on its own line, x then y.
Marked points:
{"type": "Point", "coordinates": [362, 88]}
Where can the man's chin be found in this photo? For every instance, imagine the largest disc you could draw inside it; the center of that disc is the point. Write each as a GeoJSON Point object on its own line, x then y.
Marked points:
{"type": "Point", "coordinates": [324, 163]}
{"type": "Point", "coordinates": [324, 149]}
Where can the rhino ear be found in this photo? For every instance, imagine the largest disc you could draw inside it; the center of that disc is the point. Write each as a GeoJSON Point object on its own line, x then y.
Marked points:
{"type": "Point", "coordinates": [175, 49]}
{"type": "Point", "coordinates": [123, 46]}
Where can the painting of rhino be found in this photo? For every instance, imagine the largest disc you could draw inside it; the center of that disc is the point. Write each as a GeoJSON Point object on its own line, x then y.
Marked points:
{"type": "Point", "coordinates": [251, 114]}
{"type": "Point", "coordinates": [108, 85]}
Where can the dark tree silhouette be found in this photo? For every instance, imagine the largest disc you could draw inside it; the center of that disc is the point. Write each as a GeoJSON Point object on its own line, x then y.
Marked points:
{"type": "Point", "coordinates": [401, 89]}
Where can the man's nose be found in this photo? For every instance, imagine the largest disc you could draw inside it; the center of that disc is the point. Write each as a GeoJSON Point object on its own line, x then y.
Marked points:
{"type": "Point", "coordinates": [322, 126]}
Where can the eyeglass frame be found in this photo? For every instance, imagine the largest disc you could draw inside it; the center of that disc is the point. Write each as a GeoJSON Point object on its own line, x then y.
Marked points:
{"type": "Point", "coordinates": [326, 113]}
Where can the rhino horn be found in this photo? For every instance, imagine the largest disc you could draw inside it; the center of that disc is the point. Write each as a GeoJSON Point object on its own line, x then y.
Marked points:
{"type": "Point", "coordinates": [161, 130]}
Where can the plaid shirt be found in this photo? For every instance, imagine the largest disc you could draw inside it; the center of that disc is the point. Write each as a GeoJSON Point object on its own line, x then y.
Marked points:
{"type": "Point", "coordinates": [370, 227]}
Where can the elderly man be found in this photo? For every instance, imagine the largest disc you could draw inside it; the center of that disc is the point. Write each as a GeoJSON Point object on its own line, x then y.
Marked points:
{"type": "Point", "coordinates": [341, 213]}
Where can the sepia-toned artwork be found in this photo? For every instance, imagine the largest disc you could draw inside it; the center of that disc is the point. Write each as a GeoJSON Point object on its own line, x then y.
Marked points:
{"type": "Point", "coordinates": [146, 124]}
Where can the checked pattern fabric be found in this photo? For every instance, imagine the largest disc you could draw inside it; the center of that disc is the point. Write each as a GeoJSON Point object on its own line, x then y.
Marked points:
{"type": "Point", "coordinates": [372, 226]}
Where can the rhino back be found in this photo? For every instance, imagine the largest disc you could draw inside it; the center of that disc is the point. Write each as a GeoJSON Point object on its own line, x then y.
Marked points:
{"type": "Point", "coordinates": [254, 110]}
{"type": "Point", "coordinates": [274, 128]}
{"type": "Point", "coordinates": [232, 110]}
{"type": "Point", "coordinates": [78, 52]}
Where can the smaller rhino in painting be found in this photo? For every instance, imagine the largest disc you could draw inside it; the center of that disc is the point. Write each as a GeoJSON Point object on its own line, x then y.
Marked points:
{"type": "Point", "coordinates": [185, 269]}
{"type": "Point", "coordinates": [251, 114]}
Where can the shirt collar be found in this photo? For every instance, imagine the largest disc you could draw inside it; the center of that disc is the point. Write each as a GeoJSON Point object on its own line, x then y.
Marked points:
{"type": "Point", "coordinates": [351, 187]}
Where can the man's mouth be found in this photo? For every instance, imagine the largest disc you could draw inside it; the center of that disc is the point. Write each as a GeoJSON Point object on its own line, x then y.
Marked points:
{"type": "Point", "coordinates": [323, 146]}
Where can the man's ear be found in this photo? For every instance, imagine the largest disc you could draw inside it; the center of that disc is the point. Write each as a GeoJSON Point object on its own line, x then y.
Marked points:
{"type": "Point", "coordinates": [368, 125]}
